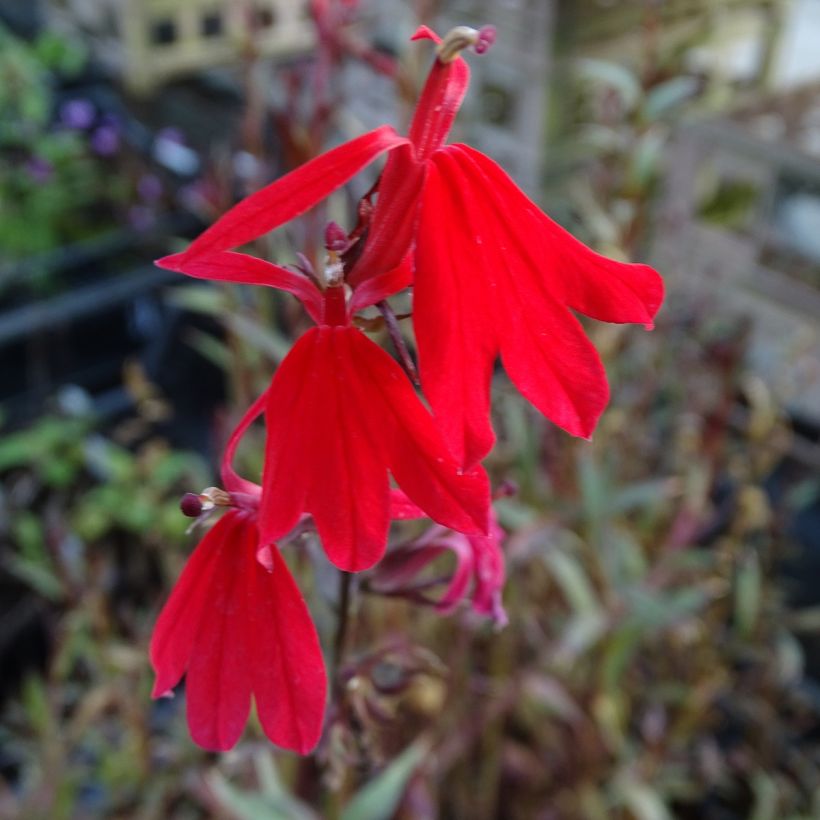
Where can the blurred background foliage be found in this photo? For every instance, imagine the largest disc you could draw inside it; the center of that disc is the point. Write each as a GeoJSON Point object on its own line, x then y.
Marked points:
{"type": "Point", "coordinates": [662, 658]}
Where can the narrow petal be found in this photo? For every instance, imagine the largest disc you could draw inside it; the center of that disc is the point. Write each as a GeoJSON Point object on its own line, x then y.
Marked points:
{"type": "Point", "coordinates": [455, 319]}
{"type": "Point", "coordinates": [286, 667]}
{"type": "Point", "coordinates": [242, 269]}
{"type": "Point", "coordinates": [394, 221]}
{"type": "Point", "coordinates": [292, 417]}
{"type": "Point", "coordinates": [349, 493]}
{"type": "Point", "coordinates": [462, 575]}
{"type": "Point", "coordinates": [553, 364]}
{"type": "Point", "coordinates": [415, 451]}
{"type": "Point", "coordinates": [574, 274]}
{"type": "Point", "coordinates": [218, 686]}
{"type": "Point", "coordinates": [232, 482]}
{"type": "Point", "coordinates": [180, 621]}
{"type": "Point", "coordinates": [294, 193]}
{"type": "Point", "coordinates": [438, 104]}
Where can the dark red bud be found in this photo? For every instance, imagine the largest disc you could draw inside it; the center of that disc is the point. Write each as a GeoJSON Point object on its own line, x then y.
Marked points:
{"type": "Point", "coordinates": [486, 37]}
{"type": "Point", "coordinates": [191, 505]}
{"type": "Point", "coordinates": [335, 237]}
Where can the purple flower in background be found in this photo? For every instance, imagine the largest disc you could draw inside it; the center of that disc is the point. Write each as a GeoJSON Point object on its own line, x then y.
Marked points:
{"type": "Point", "coordinates": [39, 170]}
{"type": "Point", "coordinates": [149, 187]}
{"type": "Point", "coordinates": [141, 218]}
{"type": "Point", "coordinates": [78, 114]}
{"type": "Point", "coordinates": [105, 140]}
{"type": "Point", "coordinates": [171, 134]}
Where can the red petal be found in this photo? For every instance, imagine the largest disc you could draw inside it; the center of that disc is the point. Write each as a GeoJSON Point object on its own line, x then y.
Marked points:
{"type": "Point", "coordinates": [242, 269]}
{"type": "Point", "coordinates": [232, 482]}
{"type": "Point", "coordinates": [287, 668]}
{"type": "Point", "coordinates": [413, 446]}
{"type": "Point", "coordinates": [456, 328]}
{"type": "Point", "coordinates": [588, 282]}
{"type": "Point", "coordinates": [179, 622]}
{"type": "Point", "coordinates": [395, 218]}
{"type": "Point", "coordinates": [295, 192]}
{"type": "Point", "coordinates": [292, 419]}
{"type": "Point", "coordinates": [553, 364]}
{"type": "Point", "coordinates": [349, 494]}
{"type": "Point", "coordinates": [438, 105]}
{"type": "Point", "coordinates": [402, 508]}
{"type": "Point", "coordinates": [217, 685]}
{"type": "Point", "coordinates": [426, 33]}
{"type": "Point", "coordinates": [380, 287]}
{"type": "Point", "coordinates": [320, 456]}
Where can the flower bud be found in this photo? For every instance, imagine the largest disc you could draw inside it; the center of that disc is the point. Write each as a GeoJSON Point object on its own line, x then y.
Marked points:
{"type": "Point", "coordinates": [335, 237]}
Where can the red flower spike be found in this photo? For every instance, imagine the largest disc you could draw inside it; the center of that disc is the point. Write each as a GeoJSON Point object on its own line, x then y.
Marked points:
{"type": "Point", "coordinates": [340, 414]}
{"type": "Point", "coordinates": [293, 194]}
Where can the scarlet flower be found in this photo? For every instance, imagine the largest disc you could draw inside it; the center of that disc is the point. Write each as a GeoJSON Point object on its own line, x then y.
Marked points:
{"type": "Point", "coordinates": [237, 627]}
{"type": "Point", "coordinates": [492, 274]}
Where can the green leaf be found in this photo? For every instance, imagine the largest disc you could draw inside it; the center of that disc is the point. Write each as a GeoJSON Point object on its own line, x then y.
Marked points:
{"type": "Point", "coordinates": [666, 97]}
{"type": "Point", "coordinates": [246, 805]}
{"type": "Point", "coordinates": [379, 799]}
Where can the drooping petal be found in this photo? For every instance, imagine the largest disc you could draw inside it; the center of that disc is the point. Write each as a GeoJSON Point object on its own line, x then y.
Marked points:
{"type": "Point", "coordinates": [413, 446]}
{"type": "Point", "coordinates": [340, 414]}
{"type": "Point", "coordinates": [575, 275]}
{"type": "Point", "coordinates": [293, 415]}
{"type": "Point", "coordinates": [286, 665]}
{"type": "Point", "coordinates": [554, 365]}
{"type": "Point", "coordinates": [181, 618]}
{"type": "Point", "coordinates": [470, 252]}
{"type": "Point", "coordinates": [349, 498]}
{"type": "Point", "coordinates": [217, 684]}
{"type": "Point", "coordinates": [242, 269]}
{"type": "Point", "coordinates": [455, 315]}
{"type": "Point", "coordinates": [294, 193]}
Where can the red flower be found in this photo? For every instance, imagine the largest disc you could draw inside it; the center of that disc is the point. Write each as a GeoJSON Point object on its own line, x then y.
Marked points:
{"type": "Point", "coordinates": [493, 274]}
{"type": "Point", "coordinates": [237, 627]}
{"type": "Point", "coordinates": [340, 415]}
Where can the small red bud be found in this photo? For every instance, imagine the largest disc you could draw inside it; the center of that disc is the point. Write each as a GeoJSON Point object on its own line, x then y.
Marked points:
{"type": "Point", "coordinates": [335, 237]}
{"type": "Point", "coordinates": [486, 37]}
{"type": "Point", "coordinates": [191, 505]}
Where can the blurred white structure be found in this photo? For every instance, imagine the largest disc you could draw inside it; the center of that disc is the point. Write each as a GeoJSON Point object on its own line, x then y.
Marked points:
{"type": "Point", "coordinates": [148, 42]}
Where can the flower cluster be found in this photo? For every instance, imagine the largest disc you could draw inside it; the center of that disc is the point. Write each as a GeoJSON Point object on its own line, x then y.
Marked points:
{"type": "Point", "coordinates": [491, 275]}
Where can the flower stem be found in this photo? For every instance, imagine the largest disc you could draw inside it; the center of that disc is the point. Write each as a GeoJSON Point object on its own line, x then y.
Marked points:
{"type": "Point", "coordinates": [392, 323]}
{"type": "Point", "coordinates": [343, 623]}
